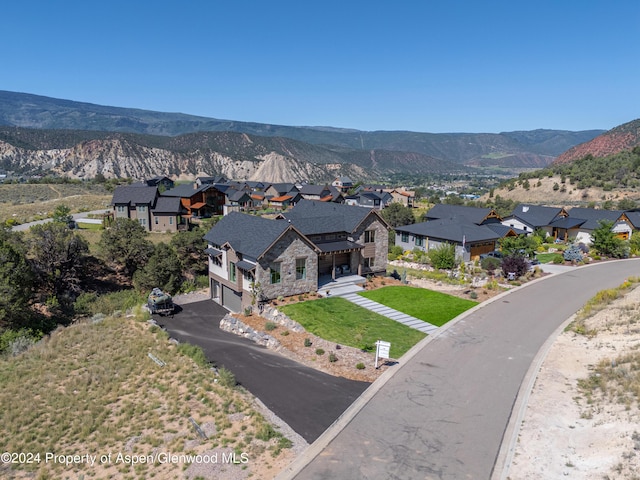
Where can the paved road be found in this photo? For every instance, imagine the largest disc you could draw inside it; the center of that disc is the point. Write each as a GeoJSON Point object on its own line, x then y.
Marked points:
{"type": "Point", "coordinates": [309, 401]}
{"type": "Point", "coordinates": [76, 216]}
{"type": "Point", "coordinates": [444, 412]}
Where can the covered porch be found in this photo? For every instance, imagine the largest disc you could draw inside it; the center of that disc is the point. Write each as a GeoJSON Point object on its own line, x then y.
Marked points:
{"type": "Point", "coordinates": [336, 259]}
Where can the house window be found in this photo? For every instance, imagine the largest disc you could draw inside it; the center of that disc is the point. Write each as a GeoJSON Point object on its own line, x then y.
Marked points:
{"type": "Point", "coordinates": [419, 241]}
{"type": "Point", "coordinates": [405, 237]}
{"type": "Point", "coordinates": [121, 208]}
{"type": "Point", "coordinates": [157, 220]}
{"type": "Point", "coordinates": [143, 222]}
{"type": "Point", "coordinates": [369, 236]}
{"type": "Point", "coordinates": [141, 208]}
{"type": "Point", "coordinates": [301, 269]}
{"type": "Point", "coordinates": [369, 262]}
{"type": "Point", "coordinates": [275, 272]}
{"type": "Point", "coordinates": [232, 272]}
{"type": "Point", "coordinates": [170, 220]}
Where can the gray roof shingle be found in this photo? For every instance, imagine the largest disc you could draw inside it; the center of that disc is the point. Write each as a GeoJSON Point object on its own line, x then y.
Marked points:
{"type": "Point", "coordinates": [452, 231]}
{"type": "Point", "coordinates": [592, 217]}
{"type": "Point", "coordinates": [131, 195]}
{"type": "Point", "coordinates": [314, 217]}
{"type": "Point", "coordinates": [247, 234]}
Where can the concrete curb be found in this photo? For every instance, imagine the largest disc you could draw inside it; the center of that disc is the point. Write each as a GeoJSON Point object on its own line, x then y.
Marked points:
{"type": "Point", "coordinates": [325, 439]}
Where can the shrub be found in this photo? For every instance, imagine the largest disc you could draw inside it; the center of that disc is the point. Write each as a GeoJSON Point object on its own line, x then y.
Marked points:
{"type": "Point", "coordinates": [226, 378]}
{"type": "Point", "coordinates": [13, 342]}
{"type": "Point", "coordinates": [573, 254]}
{"type": "Point", "coordinates": [473, 295]}
{"type": "Point", "coordinates": [194, 352]}
{"type": "Point", "coordinates": [285, 333]}
{"type": "Point", "coordinates": [444, 256]}
{"type": "Point", "coordinates": [332, 357]}
{"type": "Point", "coordinates": [307, 342]}
{"type": "Point", "coordinates": [360, 366]}
{"type": "Point", "coordinates": [514, 264]}
{"type": "Point", "coordinates": [558, 259]}
{"type": "Point", "coordinates": [490, 263]}
{"type": "Point", "coordinates": [270, 326]}
{"type": "Point", "coordinates": [319, 351]}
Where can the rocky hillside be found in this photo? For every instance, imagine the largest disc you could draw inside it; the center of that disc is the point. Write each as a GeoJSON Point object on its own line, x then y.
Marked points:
{"type": "Point", "coordinates": [623, 137]}
{"type": "Point", "coordinates": [240, 156]}
{"type": "Point", "coordinates": [535, 148]}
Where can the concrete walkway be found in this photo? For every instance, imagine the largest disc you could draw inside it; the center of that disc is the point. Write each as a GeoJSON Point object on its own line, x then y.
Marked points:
{"type": "Point", "coordinates": [385, 311]}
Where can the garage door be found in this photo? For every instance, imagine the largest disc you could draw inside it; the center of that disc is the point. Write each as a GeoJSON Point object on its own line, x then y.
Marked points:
{"type": "Point", "coordinates": [231, 300]}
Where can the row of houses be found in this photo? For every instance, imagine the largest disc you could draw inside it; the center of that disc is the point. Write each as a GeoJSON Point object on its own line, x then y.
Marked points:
{"type": "Point", "coordinates": [475, 231]}
{"type": "Point", "coordinates": [159, 205]}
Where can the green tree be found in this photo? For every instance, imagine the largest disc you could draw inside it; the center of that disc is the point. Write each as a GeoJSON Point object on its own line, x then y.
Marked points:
{"type": "Point", "coordinates": [524, 245]}
{"type": "Point", "coordinates": [163, 270]}
{"type": "Point", "coordinates": [397, 215]}
{"type": "Point", "coordinates": [634, 243]}
{"type": "Point", "coordinates": [190, 246]}
{"type": "Point", "coordinates": [626, 204]}
{"type": "Point", "coordinates": [57, 255]}
{"type": "Point", "coordinates": [606, 242]}
{"type": "Point", "coordinates": [125, 244]}
{"type": "Point", "coordinates": [17, 281]}
{"type": "Point", "coordinates": [62, 214]}
{"type": "Point", "coordinates": [443, 256]}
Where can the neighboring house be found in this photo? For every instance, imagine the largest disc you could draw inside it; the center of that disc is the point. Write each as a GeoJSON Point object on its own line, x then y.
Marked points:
{"type": "Point", "coordinates": [531, 217]}
{"type": "Point", "coordinates": [198, 201]}
{"type": "Point", "coordinates": [134, 202]}
{"type": "Point", "coordinates": [581, 223]}
{"type": "Point", "coordinates": [296, 253]}
{"type": "Point", "coordinates": [344, 184]}
{"type": "Point", "coordinates": [366, 199]}
{"type": "Point", "coordinates": [237, 200]}
{"type": "Point", "coordinates": [323, 193]}
{"type": "Point", "coordinates": [152, 211]}
{"type": "Point", "coordinates": [163, 183]}
{"type": "Point", "coordinates": [470, 240]}
{"type": "Point", "coordinates": [279, 189]}
{"type": "Point", "coordinates": [168, 215]}
{"type": "Point", "coordinates": [404, 197]}
{"type": "Point", "coordinates": [282, 201]}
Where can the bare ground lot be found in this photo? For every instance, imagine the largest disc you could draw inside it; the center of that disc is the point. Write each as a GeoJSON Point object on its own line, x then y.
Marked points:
{"type": "Point", "coordinates": [570, 433]}
{"type": "Point", "coordinates": [28, 202]}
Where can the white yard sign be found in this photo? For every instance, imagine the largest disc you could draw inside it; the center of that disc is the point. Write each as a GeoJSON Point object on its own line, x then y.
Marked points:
{"type": "Point", "coordinates": [382, 350]}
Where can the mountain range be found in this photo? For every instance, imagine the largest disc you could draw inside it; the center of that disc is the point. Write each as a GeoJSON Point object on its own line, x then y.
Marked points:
{"type": "Point", "coordinates": [622, 137]}
{"type": "Point", "coordinates": [81, 139]}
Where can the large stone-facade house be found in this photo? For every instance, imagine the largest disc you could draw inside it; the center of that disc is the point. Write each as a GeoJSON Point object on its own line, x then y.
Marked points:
{"type": "Point", "coordinates": [304, 248]}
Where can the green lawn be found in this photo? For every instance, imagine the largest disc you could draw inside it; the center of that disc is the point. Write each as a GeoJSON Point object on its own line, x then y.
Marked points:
{"type": "Point", "coordinates": [338, 320]}
{"type": "Point", "coordinates": [433, 307]}
{"type": "Point", "coordinates": [547, 257]}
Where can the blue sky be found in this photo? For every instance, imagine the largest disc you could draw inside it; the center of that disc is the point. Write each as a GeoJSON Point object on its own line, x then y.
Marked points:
{"type": "Point", "coordinates": [422, 65]}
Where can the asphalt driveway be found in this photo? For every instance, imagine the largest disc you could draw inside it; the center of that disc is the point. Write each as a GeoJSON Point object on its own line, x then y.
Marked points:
{"type": "Point", "coordinates": [309, 401]}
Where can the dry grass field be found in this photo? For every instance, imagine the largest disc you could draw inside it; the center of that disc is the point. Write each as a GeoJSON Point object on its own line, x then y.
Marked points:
{"type": "Point", "coordinates": [27, 202]}
{"type": "Point", "coordinates": [541, 191]}
{"type": "Point", "coordinates": [91, 389]}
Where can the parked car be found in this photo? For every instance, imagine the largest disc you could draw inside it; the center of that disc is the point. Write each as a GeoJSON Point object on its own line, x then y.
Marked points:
{"type": "Point", "coordinates": [494, 254]}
